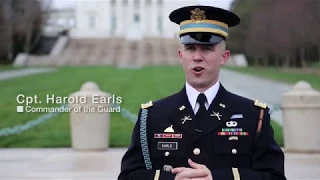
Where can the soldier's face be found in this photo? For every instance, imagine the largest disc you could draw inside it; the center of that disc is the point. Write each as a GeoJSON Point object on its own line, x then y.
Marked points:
{"type": "Point", "coordinates": [201, 63]}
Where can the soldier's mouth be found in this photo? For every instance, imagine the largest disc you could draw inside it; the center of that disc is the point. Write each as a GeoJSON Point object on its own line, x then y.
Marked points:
{"type": "Point", "coordinates": [197, 70]}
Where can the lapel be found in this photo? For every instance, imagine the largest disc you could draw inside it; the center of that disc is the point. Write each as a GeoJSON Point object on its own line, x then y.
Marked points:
{"type": "Point", "coordinates": [219, 111]}
{"type": "Point", "coordinates": [183, 110]}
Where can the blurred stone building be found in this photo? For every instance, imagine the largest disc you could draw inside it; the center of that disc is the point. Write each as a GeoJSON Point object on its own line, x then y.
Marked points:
{"type": "Point", "coordinates": [113, 32]}
{"type": "Point", "coordinates": [131, 19]}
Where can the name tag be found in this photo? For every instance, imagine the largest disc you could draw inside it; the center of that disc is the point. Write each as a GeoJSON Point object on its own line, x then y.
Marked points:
{"type": "Point", "coordinates": [167, 145]}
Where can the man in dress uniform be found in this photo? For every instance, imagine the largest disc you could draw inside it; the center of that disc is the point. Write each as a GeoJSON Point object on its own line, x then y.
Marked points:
{"type": "Point", "coordinates": [203, 132]}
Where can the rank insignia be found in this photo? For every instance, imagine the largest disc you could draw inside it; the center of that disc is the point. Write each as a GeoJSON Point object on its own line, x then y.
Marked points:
{"type": "Point", "coordinates": [222, 105]}
{"type": "Point", "coordinates": [182, 108]}
{"type": "Point", "coordinates": [169, 129]}
{"type": "Point", "coordinates": [146, 105]}
{"type": "Point", "coordinates": [259, 104]}
{"type": "Point", "coordinates": [167, 136]}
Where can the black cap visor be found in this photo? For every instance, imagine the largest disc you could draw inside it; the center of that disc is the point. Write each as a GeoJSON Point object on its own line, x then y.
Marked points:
{"type": "Point", "coordinates": [206, 39]}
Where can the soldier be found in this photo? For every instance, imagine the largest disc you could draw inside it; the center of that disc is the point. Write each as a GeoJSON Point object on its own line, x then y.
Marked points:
{"type": "Point", "coordinates": [203, 132]}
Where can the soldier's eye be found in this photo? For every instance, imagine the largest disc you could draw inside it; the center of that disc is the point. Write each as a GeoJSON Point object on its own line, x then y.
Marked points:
{"type": "Point", "coordinates": [189, 47]}
{"type": "Point", "coordinates": [207, 48]}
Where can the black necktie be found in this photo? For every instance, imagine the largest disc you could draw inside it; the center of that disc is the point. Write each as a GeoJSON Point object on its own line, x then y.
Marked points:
{"type": "Point", "coordinates": [202, 109]}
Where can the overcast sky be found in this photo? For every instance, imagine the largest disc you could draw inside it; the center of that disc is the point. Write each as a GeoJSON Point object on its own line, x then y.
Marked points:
{"type": "Point", "coordinates": [225, 4]}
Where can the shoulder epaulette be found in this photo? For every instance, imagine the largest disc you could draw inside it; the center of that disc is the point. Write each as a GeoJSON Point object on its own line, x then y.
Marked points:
{"type": "Point", "coordinates": [146, 105]}
{"type": "Point", "coordinates": [260, 104]}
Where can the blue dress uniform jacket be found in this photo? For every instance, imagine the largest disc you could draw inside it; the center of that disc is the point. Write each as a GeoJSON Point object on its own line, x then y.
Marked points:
{"type": "Point", "coordinates": [225, 140]}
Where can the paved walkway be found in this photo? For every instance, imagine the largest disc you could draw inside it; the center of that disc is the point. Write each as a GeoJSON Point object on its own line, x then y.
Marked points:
{"type": "Point", "coordinates": [9, 74]}
{"type": "Point", "coordinates": [264, 90]}
{"type": "Point", "coordinates": [67, 164]}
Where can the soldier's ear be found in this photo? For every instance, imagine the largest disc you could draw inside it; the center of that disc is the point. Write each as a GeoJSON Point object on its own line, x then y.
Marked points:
{"type": "Point", "coordinates": [180, 54]}
{"type": "Point", "coordinates": [224, 57]}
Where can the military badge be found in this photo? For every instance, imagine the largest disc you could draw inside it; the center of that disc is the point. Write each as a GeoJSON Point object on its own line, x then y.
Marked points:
{"type": "Point", "coordinates": [231, 123]}
{"type": "Point", "coordinates": [217, 114]}
{"type": "Point", "coordinates": [197, 15]}
{"type": "Point", "coordinates": [169, 129]}
{"type": "Point", "coordinates": [236, 116]}
{"type": "Point", "coordinates": [186, 118]}
{"type": "Point", "coordinates": [233, 138]}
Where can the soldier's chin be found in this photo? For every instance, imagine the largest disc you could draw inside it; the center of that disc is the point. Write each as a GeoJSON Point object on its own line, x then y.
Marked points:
{"type": "Point", "coordinates": [198, 83]}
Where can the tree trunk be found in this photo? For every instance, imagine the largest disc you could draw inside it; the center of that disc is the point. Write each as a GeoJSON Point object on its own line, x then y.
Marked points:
{"type": "Point", "coordinates": [9, 24]}
{"type": "Point", "coordinates": [302, 57]}
{"type": "Point", "coordinates": [319, 53]}
{"type": "Point", "coordinates": [27, 43]}
{"type": "Point", "coordinates": [278, 61]}
{"type": "Point", "coordinates": [286, 63]}
{"type": "Point", "coordinates": [265, 62]}
{"type": "Point", "coordinates": [256, 61]}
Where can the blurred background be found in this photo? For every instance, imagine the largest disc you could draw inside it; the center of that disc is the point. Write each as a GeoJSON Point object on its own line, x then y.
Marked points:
{"type": "Point", "coordinates": [128, 48]}
{"type": "Point", "coordinates": [271, 34]}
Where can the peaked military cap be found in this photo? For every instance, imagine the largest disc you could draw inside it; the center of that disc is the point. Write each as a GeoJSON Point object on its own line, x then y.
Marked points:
{"type": "Point", "coordinates": [203, 24]}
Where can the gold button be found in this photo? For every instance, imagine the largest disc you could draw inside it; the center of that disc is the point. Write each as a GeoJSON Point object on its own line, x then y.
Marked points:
{"type": "Point", "coordinates": [234, 151]}
{"type": "Point", "coordinates": [196, 151]}
{"type": "Point", "coordinates": [166, 153]}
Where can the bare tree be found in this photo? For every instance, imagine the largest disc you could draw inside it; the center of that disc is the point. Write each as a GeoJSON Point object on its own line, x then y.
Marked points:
{"type": "Point", "coordinates": [8, 26]}
{"type": "Point", "coordinates": [21, 25]}
{"type": "Point", "coordinates": [282, 32]}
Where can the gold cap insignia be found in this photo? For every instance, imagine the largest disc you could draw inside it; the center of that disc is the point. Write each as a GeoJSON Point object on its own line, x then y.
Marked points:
{"type": "Point", "coordinates": [169, 129]}
{"type": "Point", "coordinates": [146, 105]}
{"type": "Point", "coordinates": [259, 104]}
{"type": "Point", "coordinates": [197, 15]}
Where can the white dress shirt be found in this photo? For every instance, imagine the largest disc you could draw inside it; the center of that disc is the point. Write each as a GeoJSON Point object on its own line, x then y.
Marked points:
{"type": "Point", "coordinates": [210, 94]}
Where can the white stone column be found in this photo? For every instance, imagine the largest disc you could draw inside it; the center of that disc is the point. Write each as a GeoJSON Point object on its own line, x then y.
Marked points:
{"type": "Point", "coordinates": [143, 16]}
{"type": "Point", "coordinates": [153, 16]}
{"type": "Point", "coordinates": [301, 122]}
{"type": "Point", "coordinates": [160, 14]}
{"type": "Point", "coordinates": [90, 125]}
{"type": "Point", "coordinates": [119, 11]}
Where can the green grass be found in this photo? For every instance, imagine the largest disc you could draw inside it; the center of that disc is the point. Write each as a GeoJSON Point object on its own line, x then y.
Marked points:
{"type": "Point", "coordinates": [8, 67]}
{"type": "Point", "coordinates": [316, 65]}
{"type": "Point", "coordinates": [286, 76]}
{"type": "Point", "coordinates": [135, 86]}
{"type": "Point", "coordinates": [278, 133]}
